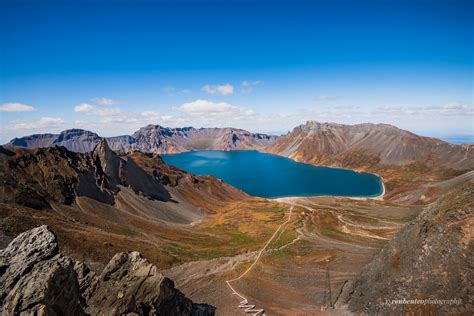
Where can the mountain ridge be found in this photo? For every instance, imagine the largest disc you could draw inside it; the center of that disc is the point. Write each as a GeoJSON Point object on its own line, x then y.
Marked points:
{"type": "Point", "coordinates": [319, 143]}
{"type": "Point", "coordinates": [152, 138]}
{"type": "Point", "coordinates": [366, 144]}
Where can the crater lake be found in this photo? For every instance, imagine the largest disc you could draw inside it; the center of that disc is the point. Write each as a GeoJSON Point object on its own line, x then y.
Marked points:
{"type": "Point", "coordinates": [272, 176]}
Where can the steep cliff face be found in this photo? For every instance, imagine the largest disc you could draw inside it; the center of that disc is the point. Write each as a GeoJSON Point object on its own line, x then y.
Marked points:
{"type": "Point", "coordinates": [36, 279]}
{"type": "Point", "coordinates": [430, 258]}
{"type": "Point", "coordinates": [365, 145]}
{"type": "Point", "coordinates": [158, 139]}
{"type": "Point", "coordinates": [152, 138]}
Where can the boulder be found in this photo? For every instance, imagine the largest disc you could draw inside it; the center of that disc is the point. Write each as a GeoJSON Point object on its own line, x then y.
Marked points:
{"type": "Point", "coordinates": [36, 279]}
{"type": "Point", "coordinates": [131, 284]}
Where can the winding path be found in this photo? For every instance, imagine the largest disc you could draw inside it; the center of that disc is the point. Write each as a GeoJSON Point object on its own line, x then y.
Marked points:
{"type": "Point", "coordinates": [244, 303]}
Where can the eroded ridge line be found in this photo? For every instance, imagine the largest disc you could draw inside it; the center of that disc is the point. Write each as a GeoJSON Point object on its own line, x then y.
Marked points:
{"type": "Point", "coordinates": [244, 303]}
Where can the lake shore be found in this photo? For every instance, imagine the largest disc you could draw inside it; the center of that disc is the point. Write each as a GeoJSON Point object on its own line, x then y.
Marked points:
{"type": "Point", "coordinates": [378, 197]}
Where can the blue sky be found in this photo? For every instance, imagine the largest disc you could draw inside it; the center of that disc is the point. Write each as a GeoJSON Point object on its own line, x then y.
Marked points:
{"type": "Point", "coordinates": [265, 66]}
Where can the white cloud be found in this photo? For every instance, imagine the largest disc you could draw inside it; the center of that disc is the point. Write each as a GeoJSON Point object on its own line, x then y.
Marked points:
{"type": "Point", "coordinates": [105, 120]}
{"type": "Point", "coordinates": [37, 124]}
{"type": "Point", "coordinates": [109, 117]}
{"type": "Point", "coordinates": [84, 107]}
{"type": "Point", "coordinates": [225, 89]}
{"type": "Point", "coordinates": [327, 97]}
{"type": "Point", "coordinates": [172, 91]}
{"type": "Point", "coordinates": [150, 113]}
{"type": "Point", "coordinates": [104, 101]}
{"type": "Point", "coordinates": [94, 110]}
{"type": "Point", "coordinates": [16, 107]}
{"type": "Point", "coordinates": [204, 113]}
{"type": "Point", "coordinates": [251, 83]}
{"type": "Point", "coordinates": [153, 117]}
{"type": "Point", "coordinates": [247, 86]}
{"type": "Point", "coordinates": [452, 109]}
{"type": "Point", "coordinates": [202, 107]}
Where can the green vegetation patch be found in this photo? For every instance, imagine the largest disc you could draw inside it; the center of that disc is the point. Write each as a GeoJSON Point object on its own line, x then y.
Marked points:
{"type": "Point", "coordinates": [239, 237]}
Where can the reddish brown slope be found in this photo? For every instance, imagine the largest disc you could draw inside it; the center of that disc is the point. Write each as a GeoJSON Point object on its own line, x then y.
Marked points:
{"type": "Point", "coordinates": [364, 145]}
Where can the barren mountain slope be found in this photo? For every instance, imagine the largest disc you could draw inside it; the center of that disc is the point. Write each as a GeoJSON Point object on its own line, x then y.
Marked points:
{"type": "Point", "coordinates": [363, 145]}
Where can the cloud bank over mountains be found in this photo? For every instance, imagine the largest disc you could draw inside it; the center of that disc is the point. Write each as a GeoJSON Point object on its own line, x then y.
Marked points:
{"type": "Point", "coordinates": [107, 117]}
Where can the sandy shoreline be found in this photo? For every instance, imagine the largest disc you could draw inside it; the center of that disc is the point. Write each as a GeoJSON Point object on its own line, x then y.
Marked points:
{"type": "Point", "coordinates": [378, 197]}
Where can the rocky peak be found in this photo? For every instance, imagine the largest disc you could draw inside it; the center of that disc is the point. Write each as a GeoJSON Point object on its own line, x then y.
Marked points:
{"type": "Point", "coordinates": [113, 171]}
{"type": "Point", "coordinates": [153, 129]}
{"type": "Point", "coordinates": [107, 163]}
{"type": "Point", "coordinates": [103, 152]}
{"type": "Point", "coordinates": [75, 133]}
{"type": "Point", "coordinates": [35, 279]}
{"type": "Point", "coordinates": [102, 149]}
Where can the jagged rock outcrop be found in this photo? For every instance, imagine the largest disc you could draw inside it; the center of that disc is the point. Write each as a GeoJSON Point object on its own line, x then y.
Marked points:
{"type": "Point", "coordinates": [123, 171]}
{"type": "Point", "coordinates": [152, 139]}
{"type": "Point", "coordinates": [365, 145]}
{"type": "Point", "coordinates": [36, 279]}
{"type": "Point", "coordinates": [431, 258]}
{"type": "Point", "coordinates": [131, 284]}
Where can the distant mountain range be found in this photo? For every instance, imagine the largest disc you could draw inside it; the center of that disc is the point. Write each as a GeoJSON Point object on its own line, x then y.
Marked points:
{"type": "Point", "coordinates": [353, 146]}
{"type": "Point", "coordinates": [152, 139]}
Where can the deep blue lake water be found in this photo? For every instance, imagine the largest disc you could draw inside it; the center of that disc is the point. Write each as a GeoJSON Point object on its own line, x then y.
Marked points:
{"type": "Point", "coordinates": [273, 176]}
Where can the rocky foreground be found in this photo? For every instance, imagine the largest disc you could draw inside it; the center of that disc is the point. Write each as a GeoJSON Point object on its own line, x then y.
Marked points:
{"type": "Point", "coordinates": [36, 279]}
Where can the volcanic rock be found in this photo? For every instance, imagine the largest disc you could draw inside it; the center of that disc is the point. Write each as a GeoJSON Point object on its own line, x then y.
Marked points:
{"type": "Point", "coordinates": [35, 279]}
